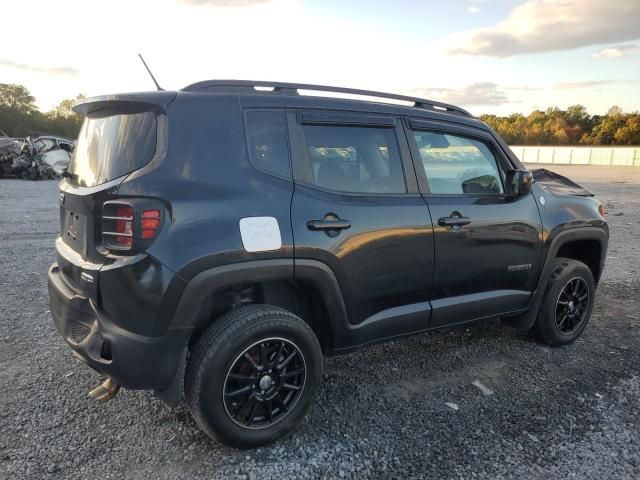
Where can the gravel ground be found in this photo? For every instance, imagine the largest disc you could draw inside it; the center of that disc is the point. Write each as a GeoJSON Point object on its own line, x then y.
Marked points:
{"type": "Point", "coordinates": [382, 412]}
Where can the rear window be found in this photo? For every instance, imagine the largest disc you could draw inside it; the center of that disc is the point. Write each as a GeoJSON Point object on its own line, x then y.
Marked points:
{"type": "Point", "coordinates": [110, 146]}
{"type": "Point", "coordinates": [268, 143]}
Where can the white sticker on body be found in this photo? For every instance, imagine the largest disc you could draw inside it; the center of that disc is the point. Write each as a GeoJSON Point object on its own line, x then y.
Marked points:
{"type": "Point", "coordinates": [260, 234]}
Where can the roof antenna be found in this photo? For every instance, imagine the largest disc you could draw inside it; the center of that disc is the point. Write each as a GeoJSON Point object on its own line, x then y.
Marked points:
{"type": "Point", "coordinates": [150, 74]}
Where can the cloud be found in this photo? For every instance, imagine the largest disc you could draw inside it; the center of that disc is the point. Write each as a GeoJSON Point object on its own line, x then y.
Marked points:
{"type": "Point", "coordinates": [38, 69]}
{"type": "Point", "coordinates": [524, 88]}
{"type": "Point", "coordinates": [617, 51]}
{"type": "Point", "coordinates": [585, 84]}
{"type": "Point", "coordinates": [223, 3]}
{"type": "Point", "coordinates": [473, 9]}
{"type": "Point", "coordinates": [481, 93]}
{"type": "Point", "coordinates": [590, 83]}
{"type": "Point", "coordinates": [548, 25]}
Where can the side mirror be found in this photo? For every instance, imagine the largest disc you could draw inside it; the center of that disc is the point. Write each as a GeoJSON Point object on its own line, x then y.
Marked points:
{"type": "Point", "coordinates": [518, 182]}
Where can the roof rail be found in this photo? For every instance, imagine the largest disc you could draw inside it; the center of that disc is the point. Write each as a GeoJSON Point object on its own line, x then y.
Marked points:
{"type": "Point", "coordinates": [250, 86]}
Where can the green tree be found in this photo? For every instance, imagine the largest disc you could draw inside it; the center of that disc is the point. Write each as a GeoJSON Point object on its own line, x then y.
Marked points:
{"type": "Point", "coordinates": [604, 132]}
{"type": "Point", "coordinates": [18, 98]}
{"type": "Point", "coordinates": [65, 108]}
{"type": "Point", "coordinates": [577, 115]}
{"type": "Point", "coordinates": [20, 117]}
{"type": "Point", "coordinates": [629, 134]}
{"type": "Point", "coordinates": [64, 120]}
{"type": "Point", "coordinates": [614, 111]}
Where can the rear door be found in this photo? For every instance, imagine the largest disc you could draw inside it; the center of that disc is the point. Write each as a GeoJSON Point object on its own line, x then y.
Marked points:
{"type": "Point", "coordinates": [357, 209]}
{"type": "Point", "coordinates": [487, 243]}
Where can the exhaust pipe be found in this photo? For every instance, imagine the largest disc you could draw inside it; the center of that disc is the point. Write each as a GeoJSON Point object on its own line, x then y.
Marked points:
{"type": "Point", "coordinates": [105, 391]}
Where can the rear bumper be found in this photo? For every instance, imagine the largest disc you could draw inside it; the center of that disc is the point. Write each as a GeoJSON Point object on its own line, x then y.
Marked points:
{"type": "Point", "coordinates": [131, 360]}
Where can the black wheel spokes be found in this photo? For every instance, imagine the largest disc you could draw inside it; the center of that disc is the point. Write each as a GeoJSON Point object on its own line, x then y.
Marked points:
{"type": "Point", "coordinates": [572, 305]}
{"type": "Point", "coordinates": [264, 383]}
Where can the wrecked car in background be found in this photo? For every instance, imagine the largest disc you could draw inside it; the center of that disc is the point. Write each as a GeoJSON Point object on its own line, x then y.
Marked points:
{"type": "Point", "coordinates": [54, 152]}
{"type": "Point", "coordinates": [32, 158]}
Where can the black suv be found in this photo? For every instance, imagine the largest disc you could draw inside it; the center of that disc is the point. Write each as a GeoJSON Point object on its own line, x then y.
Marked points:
{"type": "Point", "coordinates": [220, 239]}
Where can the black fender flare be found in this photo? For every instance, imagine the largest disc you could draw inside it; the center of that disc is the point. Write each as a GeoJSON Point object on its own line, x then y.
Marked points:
{"type": "Point", "coordinates": [601, 235]}
{"type": "Point", "coordinates": [217, 278]}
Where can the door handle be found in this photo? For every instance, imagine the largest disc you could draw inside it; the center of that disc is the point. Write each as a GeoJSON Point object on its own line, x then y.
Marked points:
{"type": "Point", "coordinates": [453, 221]}
{"type": "Point", "coordinates": [328, 224]}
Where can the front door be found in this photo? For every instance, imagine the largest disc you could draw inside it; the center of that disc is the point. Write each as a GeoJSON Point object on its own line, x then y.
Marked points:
{"type": "Point", "coordinates": [356, 208]}
{"type": "Point", "coordinates": [487, 243]}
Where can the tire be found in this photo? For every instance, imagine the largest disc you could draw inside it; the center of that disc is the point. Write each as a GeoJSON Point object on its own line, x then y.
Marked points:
{"type": "Point", "coordinates": [218, 369]}
{"type": "Point", "coordinates": [564, 314]}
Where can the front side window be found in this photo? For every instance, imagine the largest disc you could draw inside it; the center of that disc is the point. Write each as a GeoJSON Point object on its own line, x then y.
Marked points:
{"type": "Point", "coordinates": [457, 165]}
{"type": "Point", "coordinates": [267, 142]}
{"type": "Point", "coordinates": [354, 159]}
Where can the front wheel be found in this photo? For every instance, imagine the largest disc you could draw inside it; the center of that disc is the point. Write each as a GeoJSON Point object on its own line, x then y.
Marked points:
{"type": "Point", "coordinates": [253, 375]}
{"type": "Point", "coordinates": [567, 304]}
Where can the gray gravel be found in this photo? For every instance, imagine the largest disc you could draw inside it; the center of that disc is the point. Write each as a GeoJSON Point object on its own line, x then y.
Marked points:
{"type": "Point", "coordinates": [382, 412]}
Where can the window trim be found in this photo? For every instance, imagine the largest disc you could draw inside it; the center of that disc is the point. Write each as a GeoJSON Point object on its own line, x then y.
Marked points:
{"type": "Point", "coordinates": [417, 125]}
{"type": "Point", "coordinates": [301, 163]}
{"type": "Point", "coordinates": [247, 145]}
{"type": "Point", "coordinates": [345, 119]}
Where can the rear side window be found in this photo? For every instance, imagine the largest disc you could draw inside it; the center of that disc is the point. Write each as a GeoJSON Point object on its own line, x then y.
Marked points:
{"type": "Point", "coordinates": [267, 142]}
{"type": "Point", "coordinates": [110, 146]}
{"type": "Point", "coordinates": [354, 159]}
{"type": "Point", "coordinates": [457, 165]}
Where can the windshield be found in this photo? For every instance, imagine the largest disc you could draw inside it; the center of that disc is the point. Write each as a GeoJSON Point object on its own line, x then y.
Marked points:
{"type": "Point", "coordinates": [112, 145]}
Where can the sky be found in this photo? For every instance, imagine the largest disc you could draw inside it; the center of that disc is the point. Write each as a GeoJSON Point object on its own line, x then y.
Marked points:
{"type": "Point", "coordinates": [489, 56]}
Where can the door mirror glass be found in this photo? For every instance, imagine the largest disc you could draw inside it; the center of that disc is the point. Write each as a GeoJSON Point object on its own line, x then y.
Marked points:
{"type": "Point", "coordinates": [518, 182]}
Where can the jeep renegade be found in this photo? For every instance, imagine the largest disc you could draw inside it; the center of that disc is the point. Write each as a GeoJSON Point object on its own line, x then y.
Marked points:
{"type": "Point", "coordinates": [216, 241]}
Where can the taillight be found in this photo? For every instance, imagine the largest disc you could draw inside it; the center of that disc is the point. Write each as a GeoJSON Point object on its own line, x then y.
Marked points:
{"type": "Point", "coordinates": [149, 223]}
{"type": "Point", "coordinates": [130, 225]}
{"type": "Point", "coordinates": [117, 226]}
{"type": "Point", "coordinates": [124, 226]}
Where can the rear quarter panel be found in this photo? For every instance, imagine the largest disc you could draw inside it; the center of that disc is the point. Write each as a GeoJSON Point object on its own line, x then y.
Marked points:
{"type": "Point", "coordinates": [208, 185]}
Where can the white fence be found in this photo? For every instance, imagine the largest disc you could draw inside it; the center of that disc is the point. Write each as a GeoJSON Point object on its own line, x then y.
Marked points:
{"type": "Point", "coordinates": [617, 156]}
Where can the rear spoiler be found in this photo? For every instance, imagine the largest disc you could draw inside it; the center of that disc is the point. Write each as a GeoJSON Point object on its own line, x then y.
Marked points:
{"type": "Point", "coordinates": [126, 103]}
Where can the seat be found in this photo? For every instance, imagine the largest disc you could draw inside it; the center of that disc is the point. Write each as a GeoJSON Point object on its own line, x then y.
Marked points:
{"type": "Point", "coordinates": [331, 176]}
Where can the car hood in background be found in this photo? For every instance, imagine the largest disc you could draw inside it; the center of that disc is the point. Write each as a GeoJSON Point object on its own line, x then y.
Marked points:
{"type": "Point", "coordinates": [9, 144]}
{"type": "Point", "coordinates": [559, 184]}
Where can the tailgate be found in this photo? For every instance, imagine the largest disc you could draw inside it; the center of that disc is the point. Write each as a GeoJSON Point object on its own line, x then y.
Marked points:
{"type": "Point", "coordinates": [77, 248]}
{"type": "Point", "coordinates": [118, 136]}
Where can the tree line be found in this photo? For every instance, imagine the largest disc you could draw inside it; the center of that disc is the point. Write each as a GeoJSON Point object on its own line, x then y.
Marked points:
{"type": "Point", "coordinates": [573, 126]}
{"type": "Point", "coordinates": [20, 117]}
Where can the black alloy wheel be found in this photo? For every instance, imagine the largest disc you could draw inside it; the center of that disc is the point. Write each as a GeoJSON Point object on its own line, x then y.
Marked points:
{"type": "Point", "coordinates": [567, 303]}
{"type": "Point", "coordinates": [264, 383]}
{"type": "Point", "coordinates": [572, 305]}
{"type": "Point", "coordinates": [253, 375]}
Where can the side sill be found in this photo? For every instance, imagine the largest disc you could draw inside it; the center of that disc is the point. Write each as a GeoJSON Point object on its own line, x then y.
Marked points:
{"type": "Point", "coordinates": [344, 350]}
{"type": "Point", "coordinates": [449, 311]}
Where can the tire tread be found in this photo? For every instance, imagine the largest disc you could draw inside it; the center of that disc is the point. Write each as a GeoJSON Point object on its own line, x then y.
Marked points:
{"type": "Point", "coordinates": [241, 320]}
{"type": "Point", "coordinates": [543, 328]}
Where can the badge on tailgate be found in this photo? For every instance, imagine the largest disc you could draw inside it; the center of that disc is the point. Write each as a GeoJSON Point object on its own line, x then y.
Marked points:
{"type": "Point", "coordinates": [72, 226]}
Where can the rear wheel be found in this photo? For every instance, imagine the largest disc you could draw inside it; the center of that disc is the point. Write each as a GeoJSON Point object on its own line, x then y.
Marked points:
{"type": "Point", "coordinates": [253, 375]}
{"type": "Point", "coordinates": [567, 305]}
